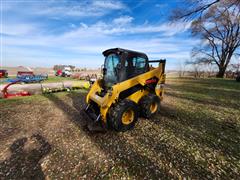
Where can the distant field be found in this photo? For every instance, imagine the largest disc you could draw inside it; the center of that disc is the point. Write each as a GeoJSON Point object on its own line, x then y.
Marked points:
{"type": "Point", "coordinates": [195, 136]}
{"type": "Point", "coordinates": [50, 79]}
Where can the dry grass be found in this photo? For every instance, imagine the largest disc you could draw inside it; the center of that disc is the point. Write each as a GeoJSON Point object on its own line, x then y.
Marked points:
{"type": "Point", "coordinates": [196, 135]}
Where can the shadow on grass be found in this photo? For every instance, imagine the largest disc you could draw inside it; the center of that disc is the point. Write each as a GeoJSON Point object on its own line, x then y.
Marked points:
{"type": "Point", "coordinates": [25, 164]}
{"type": "Point", "coordinates": [127, 156]}
{"type": "Point", "coordinates": [208, 133]}
{"type": "Point", "coordinates": [206, 129]}
{"type": "Point", "coordinates": [204, 101]}
{"type": "Point", "coordinates": [74, 111]}
{"type": "Point", "coordinates": [173, 157]}
{"type": "Point", "coordinates": [111, 143]}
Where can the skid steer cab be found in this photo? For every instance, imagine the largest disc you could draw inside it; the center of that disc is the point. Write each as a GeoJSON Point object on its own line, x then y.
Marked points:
{"type": "Point", "coordinates": [130, 88]}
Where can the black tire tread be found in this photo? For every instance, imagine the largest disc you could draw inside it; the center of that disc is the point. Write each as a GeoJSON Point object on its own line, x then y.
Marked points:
{"type": "Point", "coordinates": [114, 115]}
{"type": "Point", "coordinates": [145, 102]}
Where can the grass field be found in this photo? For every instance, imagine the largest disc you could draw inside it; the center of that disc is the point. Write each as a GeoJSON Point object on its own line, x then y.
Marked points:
{"type": "Point", "coordinates": [196, 135]}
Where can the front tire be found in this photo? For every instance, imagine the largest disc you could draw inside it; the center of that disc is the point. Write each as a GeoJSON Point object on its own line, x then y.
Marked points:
{"type": "Point", "coordinates": [150, 105]}
{"type": "Point", "coordinates": [123, 115]}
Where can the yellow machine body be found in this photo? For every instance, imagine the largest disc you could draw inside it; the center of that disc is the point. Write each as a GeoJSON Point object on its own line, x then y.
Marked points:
{"type": "Point", "coordinates": [112, 96]}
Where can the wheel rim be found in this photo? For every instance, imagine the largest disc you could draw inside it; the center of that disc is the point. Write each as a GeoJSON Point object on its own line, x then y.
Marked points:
{"type": "Point", "coordinates": [153, 107]}
{"type": "Point", "coordinates": [128, 117]}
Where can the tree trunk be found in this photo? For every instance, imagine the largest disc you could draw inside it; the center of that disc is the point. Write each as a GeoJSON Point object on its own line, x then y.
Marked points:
{"type": "Point", "coordinates": [221, 72]}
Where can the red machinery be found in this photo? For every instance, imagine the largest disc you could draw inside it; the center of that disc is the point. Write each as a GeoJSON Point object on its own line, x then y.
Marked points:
{"type": "Point", "coordinates": [59, 72]}
{"type": "Point", "coordinates": [9, 95]}
{"type": "Point", "coordinates": [3, 73]}
{"type": "Point", "coordinates": [24, 73]}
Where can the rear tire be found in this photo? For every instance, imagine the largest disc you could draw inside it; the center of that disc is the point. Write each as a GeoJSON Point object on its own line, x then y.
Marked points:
{"type": "Point", "coordinates": [150, 105]}
{"type": "Point", "coordinates": [123, 115]}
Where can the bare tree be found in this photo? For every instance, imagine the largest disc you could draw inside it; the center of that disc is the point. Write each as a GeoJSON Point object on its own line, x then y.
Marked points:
{"type": "Point", "coordinates": [235, 67]}
{"type": "Point", "coordinates": [195, 9]}
{"type": "Point", "coordinates": [195, 67]}
{"type": "Point", "coordinates": [210, 69]}
{"type": "Point", "coordinates": [219, 30]}
{"type": "Point", "coordinates": [182, 68]}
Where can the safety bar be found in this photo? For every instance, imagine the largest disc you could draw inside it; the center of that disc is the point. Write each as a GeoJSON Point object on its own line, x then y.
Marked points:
{"type": "Point", "coordinates": [163, 61]}
{"type": "Point", "coordinates": [157, 61]}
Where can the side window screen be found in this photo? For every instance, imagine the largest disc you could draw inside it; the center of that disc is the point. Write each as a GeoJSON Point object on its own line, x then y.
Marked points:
{"type": "Point", "coordinates": [136, 65]}
{"type": "Point", "coordinates": [140, 63]}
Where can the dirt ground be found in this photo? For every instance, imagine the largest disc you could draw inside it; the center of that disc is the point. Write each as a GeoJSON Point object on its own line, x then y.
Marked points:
{"type": "Point", "coordinates": [196, 135]}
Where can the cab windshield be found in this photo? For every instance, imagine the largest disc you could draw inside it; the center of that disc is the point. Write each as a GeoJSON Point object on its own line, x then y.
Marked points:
{"type": "Point", "coordinates": [111, 62]}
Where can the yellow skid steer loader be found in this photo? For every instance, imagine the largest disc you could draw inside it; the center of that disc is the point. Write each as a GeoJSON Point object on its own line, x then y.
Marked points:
{"type": "Point", "coordinates": [130, 88]}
